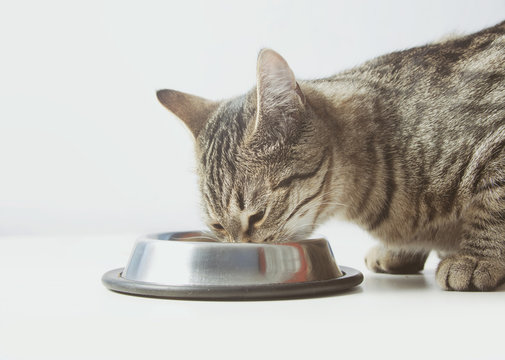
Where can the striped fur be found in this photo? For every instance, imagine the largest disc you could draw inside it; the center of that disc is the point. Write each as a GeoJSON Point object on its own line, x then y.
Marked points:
{"type": "Point", "coordinates": [410, 146]}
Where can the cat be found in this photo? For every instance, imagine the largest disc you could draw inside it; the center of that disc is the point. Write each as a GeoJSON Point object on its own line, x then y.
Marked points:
{"type": "Point", "coordinates": [410, 146]}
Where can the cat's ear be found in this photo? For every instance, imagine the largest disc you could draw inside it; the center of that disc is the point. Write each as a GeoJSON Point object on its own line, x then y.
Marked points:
{"type": "Point", "coordinates": [278, 94]}
{"type": "Point", "coordinates": [193, 110]}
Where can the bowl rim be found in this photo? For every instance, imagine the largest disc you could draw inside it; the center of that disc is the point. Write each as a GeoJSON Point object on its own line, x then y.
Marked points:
{"type": "Point", "coordinates": [172, 236]}
{"type": "Point", "coordinates": [351, 278]}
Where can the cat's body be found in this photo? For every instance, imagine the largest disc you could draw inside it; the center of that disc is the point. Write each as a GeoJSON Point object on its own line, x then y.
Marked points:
{"type": "Point", "coordinates": [411, 146]}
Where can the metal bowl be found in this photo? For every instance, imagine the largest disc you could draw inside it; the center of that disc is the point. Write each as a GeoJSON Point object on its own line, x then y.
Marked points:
{"type": "Point", "coordinates": [190, 265]}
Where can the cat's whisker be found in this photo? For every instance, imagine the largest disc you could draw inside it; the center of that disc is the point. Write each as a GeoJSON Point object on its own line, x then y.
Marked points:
{"type": "Point", "coordinates": [295, 232]}
{"type": "Point", "coordinates": [201, 237]}
{"type": "Point", "coordinates": [316, 205]}
{"type": "Point", "coordinates": [333, 203]}
{"type": "Point", "coordinates": [293, 229]}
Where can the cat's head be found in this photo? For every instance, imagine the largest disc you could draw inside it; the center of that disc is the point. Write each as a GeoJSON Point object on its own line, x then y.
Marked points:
{"type": "Point", "coordinates": [263, 160]}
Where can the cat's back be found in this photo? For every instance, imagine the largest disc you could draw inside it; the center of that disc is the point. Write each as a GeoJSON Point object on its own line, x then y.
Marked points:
{"type": "Point", "coordinates": [439, 114]}
{"type": "Point", "coordinates": [440, 63]}
{"type": "Point", "coordinates": [456, 84]}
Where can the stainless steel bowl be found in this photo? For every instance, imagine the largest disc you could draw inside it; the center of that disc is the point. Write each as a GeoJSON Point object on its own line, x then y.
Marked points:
{"type": "Point", "coordinates": [189, 265]}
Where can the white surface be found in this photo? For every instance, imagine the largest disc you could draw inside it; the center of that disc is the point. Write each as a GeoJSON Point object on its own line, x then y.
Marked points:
{"type": "Point", "coordinates": [84, 145]}
{"type": "Point", "coordinates": [53, 306]}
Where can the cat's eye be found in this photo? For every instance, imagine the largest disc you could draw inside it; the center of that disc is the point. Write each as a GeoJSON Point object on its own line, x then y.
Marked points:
{"type": "Point", "coordinates": [256, 218]}
{"type": "Point", "coordinates": [217, 226]}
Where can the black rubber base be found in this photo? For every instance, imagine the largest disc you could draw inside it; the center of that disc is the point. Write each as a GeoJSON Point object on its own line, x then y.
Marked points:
{"type": "Point", "coordinates": [352, 277]}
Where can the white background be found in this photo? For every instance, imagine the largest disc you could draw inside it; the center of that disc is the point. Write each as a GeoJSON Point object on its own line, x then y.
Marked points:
{"type": "Point", "coordinates": [89, 160]}
{"type": "Point", "coordinates": [85, 146]}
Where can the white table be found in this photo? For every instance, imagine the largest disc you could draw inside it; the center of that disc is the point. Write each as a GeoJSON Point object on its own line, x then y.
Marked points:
{"type": "Point", "coordinates": [53, 306]}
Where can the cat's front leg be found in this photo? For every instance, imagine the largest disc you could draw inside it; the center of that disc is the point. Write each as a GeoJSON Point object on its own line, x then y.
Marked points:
{"type": "Point", "coordinates": [395, 261]}
{"type": "Point", "coordinates": [479, 264]}
{"type": "Point", "coordinates": [467, 271]}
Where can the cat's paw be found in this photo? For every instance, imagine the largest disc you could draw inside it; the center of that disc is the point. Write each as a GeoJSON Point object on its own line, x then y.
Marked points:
{"type": "Point", "coordinates": [466, 273]}
{"type": "Point", "coordinates": [382, 260]}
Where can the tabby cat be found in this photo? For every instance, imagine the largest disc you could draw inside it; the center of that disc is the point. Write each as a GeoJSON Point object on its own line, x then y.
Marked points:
{"type": "Point", "coordinates": [410, 146]}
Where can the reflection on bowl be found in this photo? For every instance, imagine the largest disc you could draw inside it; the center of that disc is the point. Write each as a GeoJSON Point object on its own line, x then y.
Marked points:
{"type": "Point", "coordinates": [189, 265]}
{"type": "Point", "coordinates": [189, 258]}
